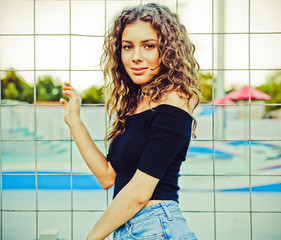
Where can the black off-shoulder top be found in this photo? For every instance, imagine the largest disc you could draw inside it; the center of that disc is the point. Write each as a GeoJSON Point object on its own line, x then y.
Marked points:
{"type": "Point", "coordinates": [156, 142]}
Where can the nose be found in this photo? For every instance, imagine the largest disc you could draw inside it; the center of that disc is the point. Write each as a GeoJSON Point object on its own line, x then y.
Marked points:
{"type": "Point", "coordinates": [137, 57]}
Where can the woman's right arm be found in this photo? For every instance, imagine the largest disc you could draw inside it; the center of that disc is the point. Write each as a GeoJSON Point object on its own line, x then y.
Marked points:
{"type": "Point", "coordinates": [93, 157]}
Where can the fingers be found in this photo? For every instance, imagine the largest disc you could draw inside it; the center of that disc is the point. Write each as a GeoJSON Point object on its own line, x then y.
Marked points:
{"type": "Point", "coordinates": [67, 89]}
{"type": "Point", "coordinates": [63, 101]}
{"type": "Point", "coordinates": [67, 93]}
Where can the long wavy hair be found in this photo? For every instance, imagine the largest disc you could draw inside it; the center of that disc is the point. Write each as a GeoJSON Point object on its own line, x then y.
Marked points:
{"type": "Point", "coordinates": [178, 67]}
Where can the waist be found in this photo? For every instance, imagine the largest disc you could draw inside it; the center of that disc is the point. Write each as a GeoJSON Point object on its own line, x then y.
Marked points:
{"type": "Point", "coordinates": [166, 189]}
{"type": "Point", "coordinates": [161, 207]}
{"type": "Point", "coordinates": [151, 202]}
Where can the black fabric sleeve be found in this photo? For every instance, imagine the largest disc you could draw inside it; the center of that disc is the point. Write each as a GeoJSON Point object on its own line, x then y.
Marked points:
{"type": "Point", "coordinates": [170, 131]}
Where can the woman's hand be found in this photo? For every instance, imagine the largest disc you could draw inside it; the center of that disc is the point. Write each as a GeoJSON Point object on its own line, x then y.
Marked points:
{"type": "Point", "coordinates": [72, 107]}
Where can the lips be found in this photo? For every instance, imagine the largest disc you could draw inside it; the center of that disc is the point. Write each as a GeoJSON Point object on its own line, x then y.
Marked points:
{"type": "Point", "coordinates": [139, 70]}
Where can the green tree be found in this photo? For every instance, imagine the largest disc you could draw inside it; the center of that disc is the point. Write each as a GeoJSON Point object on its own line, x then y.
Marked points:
{"type": "Point", "coordinates": [11, 92]}
{"type": "Point", "coordinates": [27, 95]}
{"type": "Point", "coordinates": [272, 87]}
{"type": "Point", "coordinates": [47, 89]}
{"type": "Point", "coordinates": [93, 95]}
{"type": "Point", "coordinates": [15, 88]}
{"type": "Point", "coordinates": [205, 86]}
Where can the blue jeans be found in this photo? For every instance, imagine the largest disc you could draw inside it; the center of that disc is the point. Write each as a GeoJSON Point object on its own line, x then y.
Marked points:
{"type": "Point", "coordinates": [158, 221]}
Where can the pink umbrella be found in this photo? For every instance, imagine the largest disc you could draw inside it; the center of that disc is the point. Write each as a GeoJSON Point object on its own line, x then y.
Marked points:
{"type": "Point", "coordinates": [223, 100]}
{"type": "Point", "coordinates": [243, 94]}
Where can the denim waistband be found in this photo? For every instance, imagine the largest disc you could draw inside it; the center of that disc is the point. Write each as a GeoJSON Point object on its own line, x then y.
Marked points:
{"type": "Point", "coordinates": [164, 207]}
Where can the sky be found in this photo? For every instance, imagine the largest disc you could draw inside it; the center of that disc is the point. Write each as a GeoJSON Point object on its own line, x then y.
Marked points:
{"type": "Point", "coordinates": [52, 48]}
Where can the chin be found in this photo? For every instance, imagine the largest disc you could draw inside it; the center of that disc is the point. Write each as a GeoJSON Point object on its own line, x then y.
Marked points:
{"type": "Point", "coordinates": [140, 81]}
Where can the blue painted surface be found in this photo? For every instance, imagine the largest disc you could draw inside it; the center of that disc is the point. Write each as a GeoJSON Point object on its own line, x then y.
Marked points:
{"type": "Point", "coordinates": [48, 182]}
{"type": "Point", "coordinates": [18, 182]}
{"type": "Point", "coordinates": [204, 150]}
{"type": "Point", "coordinates": [272, 167]}
{"type": "Point", "coordinates": [86, 182]}
{"type": "Point", "coordinates": [239, 143]}
{"type": "Point", "coordinates": [264, 188]}
{"type": "Point", "coordinates": [206, 110]}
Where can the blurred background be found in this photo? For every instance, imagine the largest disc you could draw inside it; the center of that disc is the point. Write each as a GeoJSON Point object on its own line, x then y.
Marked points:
{"type": "Point", "coordinates": [231, 180]}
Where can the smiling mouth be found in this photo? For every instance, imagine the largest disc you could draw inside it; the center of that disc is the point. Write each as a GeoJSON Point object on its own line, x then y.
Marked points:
{"type": "Point", "coordinates": [138, 71]}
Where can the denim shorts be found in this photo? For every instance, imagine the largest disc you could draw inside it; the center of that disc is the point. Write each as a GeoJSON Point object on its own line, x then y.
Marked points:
{"type": "Point", "coordinates": [162, 220]}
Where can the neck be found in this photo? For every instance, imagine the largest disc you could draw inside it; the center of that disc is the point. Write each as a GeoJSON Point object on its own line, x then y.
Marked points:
{"type": "Point", "coordinates": [145, 96]}
{"type": "Point", "coordinates": [145, 93]}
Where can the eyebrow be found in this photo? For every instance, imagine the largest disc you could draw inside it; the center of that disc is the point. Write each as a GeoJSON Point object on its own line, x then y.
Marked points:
{"type": "Point", "coordinates": [144, 41]}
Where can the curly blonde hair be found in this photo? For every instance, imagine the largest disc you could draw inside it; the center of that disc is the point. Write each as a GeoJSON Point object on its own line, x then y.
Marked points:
{"type": "Point", "coordinates": [178, 67]}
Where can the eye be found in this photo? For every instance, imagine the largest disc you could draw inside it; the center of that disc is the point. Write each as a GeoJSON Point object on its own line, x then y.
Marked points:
{"type": "Point", "coordinates": [149, 46]}
{"type": "Point", "coordinates": [127, 47]}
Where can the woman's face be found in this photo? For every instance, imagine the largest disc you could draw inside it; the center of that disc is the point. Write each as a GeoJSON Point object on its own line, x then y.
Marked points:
{"type": "Point", "coordinates": [139, 54]}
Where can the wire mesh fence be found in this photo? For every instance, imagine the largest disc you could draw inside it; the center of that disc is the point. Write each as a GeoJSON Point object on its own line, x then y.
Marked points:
{"type": "Point", "coordinates": [231, 179]}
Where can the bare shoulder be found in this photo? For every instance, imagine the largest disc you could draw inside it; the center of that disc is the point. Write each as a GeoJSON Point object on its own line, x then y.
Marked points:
{"type": "Point", "coordinates": [173, 98]}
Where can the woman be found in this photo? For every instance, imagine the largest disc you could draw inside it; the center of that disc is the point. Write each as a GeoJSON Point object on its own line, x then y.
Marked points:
{"type": "Point", "coordinates": [149, 60]}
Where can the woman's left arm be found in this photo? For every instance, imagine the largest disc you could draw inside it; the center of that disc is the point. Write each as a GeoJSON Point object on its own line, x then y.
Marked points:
{"type": "Point", "coordinates": [127, 203]}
